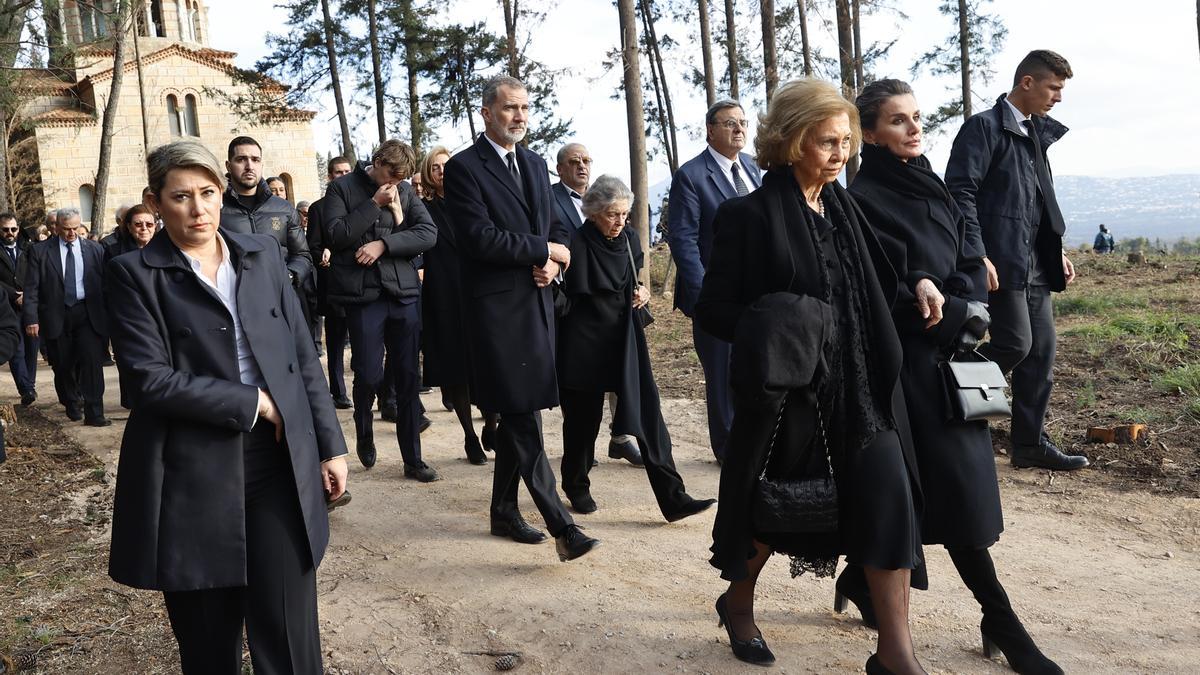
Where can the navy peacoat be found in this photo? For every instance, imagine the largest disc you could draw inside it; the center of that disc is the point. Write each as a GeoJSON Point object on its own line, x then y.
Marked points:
{"type": "Point", "coordinates": [179, 509]}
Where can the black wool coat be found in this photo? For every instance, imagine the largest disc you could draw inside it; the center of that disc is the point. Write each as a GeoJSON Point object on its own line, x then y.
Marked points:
{"type": "Point", "coordinates": [179, 509]}
{"type": "Point", "coordinates": [12, 276]}
{"type": "Point", "coordinates": [10, 329]}
{"type": "Point", "coordinates": [502, 233]}
{"type": "Point", "coordinates": [442, 339]}
{"type": "Point", "coordinates": [43, 303]}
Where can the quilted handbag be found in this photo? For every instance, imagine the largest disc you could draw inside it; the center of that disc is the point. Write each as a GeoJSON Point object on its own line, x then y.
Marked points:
{"type": "Point", "coordinates": [803, 506]}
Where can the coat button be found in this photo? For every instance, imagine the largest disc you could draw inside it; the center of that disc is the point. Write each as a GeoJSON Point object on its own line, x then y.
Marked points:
{"type": "Point", "coordinates": [274, 312]}
{"type": "Point", "coordinates": [231, 422]}
{"type": "Point", "coordinates": [291, 367]}
{"type": "Point", "coordinates": [185, 332]}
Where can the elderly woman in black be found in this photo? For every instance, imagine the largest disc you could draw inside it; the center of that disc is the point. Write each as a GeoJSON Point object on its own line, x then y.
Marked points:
{"type": "Point", "coordinates": [232, 446]}
{"type": "Point", "coordinates": [799, 286]}
{"type": "Point", "coordinates": [445, 364]}
{"type": "Point", "coordinates": [937, 274]}
{"type": "Point", "coordinates": [602, 348]}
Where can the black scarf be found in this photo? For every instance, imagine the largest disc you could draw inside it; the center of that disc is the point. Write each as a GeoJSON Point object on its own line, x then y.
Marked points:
{"type": "Point", "coordinates": [914, 178]}
{"type": "Point", "coordinates": [602, 267]}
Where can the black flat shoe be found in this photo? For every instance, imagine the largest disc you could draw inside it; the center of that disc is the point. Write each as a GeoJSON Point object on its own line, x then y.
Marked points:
{"type": "Point", "coordinates": [852, 585]}
{"type": "Point", "coordinates": [28, 397]}
{"type": "Point", "coordinates": [573, 543]}
{"type": "Point", "coordinates": [421, 472]}
{"type": "Point", "coordinates": [583, 504]}
{"type": "Point", "coordinates": [423, 424]}
{"type": "Point", "coordinates": [689, 508]}
{"type": "Point", "coordinates": [332, 504]}
{"type": "Point", "coordinates": [1046, 455]}
{"type": "Point", "coordinates": [874, 667]}
{"type": "Point", "coordinates": [518, 530]}
{"type": "Point", "coordinates": [388, 413]}
{"type": "Point", "coordinates": [754, 650]}
{"type": "Point", "coordinates": [342, 403]}
{"type": "Point", "coordinates": [74, 414]}
{"type": "Point", "coordinates": [1011, 640]}
{"type": "Point", "coordinates": [366, 452]}
{"type": "Point", "coordinates": [474, 452]}
{"type": "Point", "coordinates": [98, 422]}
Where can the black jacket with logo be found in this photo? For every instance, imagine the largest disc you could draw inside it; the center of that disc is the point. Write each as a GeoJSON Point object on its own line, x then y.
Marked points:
{"type": "Point", "coordinates": [275, 217]}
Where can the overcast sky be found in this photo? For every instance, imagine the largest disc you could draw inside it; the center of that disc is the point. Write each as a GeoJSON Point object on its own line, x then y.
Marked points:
{"type": "Point", "coordinates": [1132, 106]}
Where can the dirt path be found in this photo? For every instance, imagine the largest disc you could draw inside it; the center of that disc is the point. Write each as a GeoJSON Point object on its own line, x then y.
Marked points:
{"type": "Point", "coordinates": [1107, 581]}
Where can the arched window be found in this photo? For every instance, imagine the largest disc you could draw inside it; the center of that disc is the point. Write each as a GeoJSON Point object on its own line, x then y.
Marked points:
{"type": "Point", "coordinates": [194, 19]}
{"type": "Point", "coordinates": [191, 122]}
{"type": "Point", "coordinates": [173, 117]}
{"type": "Point", "coordinates": [86, 196]}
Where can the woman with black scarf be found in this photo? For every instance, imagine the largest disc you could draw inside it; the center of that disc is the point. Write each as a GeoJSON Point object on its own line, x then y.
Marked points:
{"type": "Point", "coordinates": [602, 348]}
{"type": "Point", "coordinates": [924, 237]}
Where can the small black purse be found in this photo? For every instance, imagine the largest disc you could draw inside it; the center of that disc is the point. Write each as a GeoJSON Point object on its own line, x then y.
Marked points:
{"type": "Point", "coordinates": [806, 506]}
{"type": "Point", "coordinates": [641, 314]}
{"type": "Point", "coordinates": [975, 391]}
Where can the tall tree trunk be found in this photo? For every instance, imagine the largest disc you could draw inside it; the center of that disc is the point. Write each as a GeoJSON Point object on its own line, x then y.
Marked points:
{"type": "Point", "coordinates": [335, 81]}
{"type": "Point", "coordinates": [731, 47]}
{"type": "Point", "coordinates": [845, 33]}
{"type": "Point", "coordinates": [13, 14]}
{"type": "Point", "coordinates": [770, 64]}
{"type": "Point", "coordinates": [416, 126]}
{"type": "Point", "coordinates": [640, 216]}
{"type": "Point", "coordinates": [660, 79]}
{"type": "Point", "coordinates": [964, 51]}
{"type": "Point", "coordinates": [376, 70]}
{"type": "Point", "coordinates": [805, 46]}
{"type": "Point", "coordinates": [120, 33]}
{"type": "Point", "coordinates": [858, 56]}
{"type": "Point", "coordinates": [137, 59]}
{"type": "Point", "coordinates": [510, 33]}
{"type": "Point", "coordinates": [710, 87]}
{"type": "Point", "coordinates": [8, 200]}
{"type": "Point", "coordinates": [57, 58]}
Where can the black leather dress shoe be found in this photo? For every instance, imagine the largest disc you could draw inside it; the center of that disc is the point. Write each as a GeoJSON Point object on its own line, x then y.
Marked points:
{"type": "Point", "coordinates": [573, 543]}
{"type": "Point", "coordinates": [626, 450]}
{"type": "Point", "coordinates": [340, 501]}
{"type": "Point", "coordinates": [388, 413]}
{"type": "Point", "coordinates": [423, 424]}
{"type": "Point", "coordinates": [583, 503]}
{"type": "Point", "coordinates": [342, 402]}
{"type": "Point", "coordinates": [98, 422]}
{"type": "Point", "coordinates": [28, 397]}
{"type": "Point", "coordinates": [422, 472]}
{"type": "Point", "coordinates": [74, 413]}
{"type": "Point", "coordinates": [474, 451]}
{"type": "Point", "coordinates": [518, 530]}
{"type": "Point", "coordinates": [689, 508]}
{"type": "Point", "coordinates": [366, 452]}
{"type": "Point", "coordinates": [1046, 455]}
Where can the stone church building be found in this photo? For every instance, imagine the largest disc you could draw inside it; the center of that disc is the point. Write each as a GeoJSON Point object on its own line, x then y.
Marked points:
{"type": "Point", "coordinates": [187, 88]}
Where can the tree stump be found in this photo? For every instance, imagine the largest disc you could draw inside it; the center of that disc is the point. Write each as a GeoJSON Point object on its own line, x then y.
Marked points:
{"type": "Point", "coordinates": [1125, 434]}
{"type": "Point", "coordinates": [1138, 258]}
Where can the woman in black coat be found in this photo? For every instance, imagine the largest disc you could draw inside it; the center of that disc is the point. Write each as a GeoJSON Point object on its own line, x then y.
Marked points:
{"type": "Point", "coordinates": [442, 343]}
{"type": "Point", "coordinates": [827, 395]}
{"type": "Point", "coordinates": [602, 348]}
{"type": "Point", "coordinates": [232, 446]}
{"type": "Point", "coordinates": [924, 237]}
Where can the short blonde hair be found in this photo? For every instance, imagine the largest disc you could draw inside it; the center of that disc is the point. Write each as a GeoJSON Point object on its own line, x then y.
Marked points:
{"type": "Point", "coordinates": [427, 161]}
{"type": "Point", "coordinates": [795, 109]}
{"type": "Point", "coordinates": [180, 155]}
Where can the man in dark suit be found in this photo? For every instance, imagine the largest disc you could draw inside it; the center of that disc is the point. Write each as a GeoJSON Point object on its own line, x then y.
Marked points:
{"type": "Point", "coordinates": [23, 364]}
{"type": "Point", "coordinates": [513, 246]}
{"type": "Point", "coordinates": [721, 171]}
{"type": "Point", "coordinates": [334, 316]}
{"type": "Point", "coordinates": [64, 305]}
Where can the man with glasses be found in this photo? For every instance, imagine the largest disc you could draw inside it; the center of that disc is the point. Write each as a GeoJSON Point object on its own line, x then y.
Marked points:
{"type": "Point", "coordinates": [23, 364]}
{"type": "Point", "coordinates": [721, 171]}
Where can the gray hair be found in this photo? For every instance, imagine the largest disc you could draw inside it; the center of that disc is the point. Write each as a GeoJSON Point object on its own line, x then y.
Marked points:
{"type": "Point", "coordinates": [491, 90]}
{"type": "Point", "coordinates": [606, 191]}
{"type": "Point", "coordinates": [562, 152]}
{"type": "Point", "coordinates": [710, 117]}
{"type": "Point", "coordinates": [66, 213]}
{"type": "Point", "coordinates": [302, 205]}
{"type": "Point", "coordinates": [180, 155]}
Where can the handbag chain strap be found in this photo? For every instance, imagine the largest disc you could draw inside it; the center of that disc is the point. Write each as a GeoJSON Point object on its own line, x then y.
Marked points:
{"type": "Point", "coordinates": [775, 432]}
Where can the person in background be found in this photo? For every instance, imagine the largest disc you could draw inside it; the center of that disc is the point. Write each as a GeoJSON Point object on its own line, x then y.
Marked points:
{"type": "Point", "coordinates": [277, 187]}
{"type": "Point", "coordinates": [138, 228]}
{"type": "Point", "coordinates": [418, 184]}
{"type": "Point", "coordinates": [119, 238]}
{"type": "Point", "coordinates": [1103, 243]}
{"type": "Point", "coordinates": [302, 209]}
{"type": "Point", "coordinates": [13, 261]}
{"type": "Point", "coordinates": [333, 316]}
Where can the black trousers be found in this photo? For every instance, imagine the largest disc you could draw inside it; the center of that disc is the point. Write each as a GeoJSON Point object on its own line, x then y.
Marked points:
{"type": "Point", "coordinates": [387, 323]}
{"type": "Point", "coordinates": [521, 454]}
{"type": "Point", "coordinates": [76, 355]}
{"type": "Point", "coordinates": [1023, 342]}
{"type": "Point", "coordinates": [582, 412]}
{"type": "Point", "coordinates": [714, 359]}
{"type": "Point", "coordinates": [279, 603]}
{"type": "Point", "coordinates": [23, 364]}
{"type": "Point", "coordinates": [335, 349]}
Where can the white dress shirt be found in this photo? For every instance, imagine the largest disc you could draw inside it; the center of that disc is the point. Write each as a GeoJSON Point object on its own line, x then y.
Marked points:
{"type": "Point", "coordinates": [577, 200]}
{"type": "Point", "coordinates": [226, 289]}
{"type": "Point", "coordinates": [504, 154]}
{"type": "Point", "coordinates": [1019, 116]}
{"type": "Point", "coordinates": [726, 165]}
{"type": "Point", "coordinates": [77, 253]}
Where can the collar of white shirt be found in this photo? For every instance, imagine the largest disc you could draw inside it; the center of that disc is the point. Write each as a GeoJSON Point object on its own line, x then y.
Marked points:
{"type": "Point", "coordinates": [222, 267]}
{"type": "Point", "coordinates": [1019, 116]}
{"type": "Point", "coordinates": [502, 152]}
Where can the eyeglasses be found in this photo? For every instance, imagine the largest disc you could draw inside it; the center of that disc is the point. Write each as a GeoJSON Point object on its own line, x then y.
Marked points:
{"type": "Point", "coordinates": [586, 161]}
{"type": "Point", "coordinates": [144, 226]}
{"type": "Point", "coordinates": [734, 124]}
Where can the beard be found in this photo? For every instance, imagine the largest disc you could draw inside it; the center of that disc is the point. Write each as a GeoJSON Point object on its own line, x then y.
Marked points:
{"type": "Point", "coordinates": [513, 137]}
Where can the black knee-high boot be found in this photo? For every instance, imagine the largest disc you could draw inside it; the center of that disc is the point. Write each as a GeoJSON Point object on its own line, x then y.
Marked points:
{"type": "Point", "coordinates": [1000, 627]}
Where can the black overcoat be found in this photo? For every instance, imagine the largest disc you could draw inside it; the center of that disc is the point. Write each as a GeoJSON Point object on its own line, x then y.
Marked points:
{"type": "Point", "coordinates": [926, 237]}
{"type": "Point", "coordinates": [179, 509]}
{"type": "Point", "coordinates": [43, 303]}
{"type": "Point", "coordinates": [442, 340]}
{"type": "Point", "coordinates": [12, 275]}
{"type": "Point", "coordinates": [503, 232]}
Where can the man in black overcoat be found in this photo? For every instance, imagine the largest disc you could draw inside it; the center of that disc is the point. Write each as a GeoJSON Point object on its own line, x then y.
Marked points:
{"type": "Point", "coordinates": [335, 317]}
{"type": "Point", "coordinates": [23, 363]}
{"type": "Point", "coordinates": [64, 305]}
{"type": "Point", "coordinates": [999, 176]}
{"type": "Point", "coordinates": [513, 247]}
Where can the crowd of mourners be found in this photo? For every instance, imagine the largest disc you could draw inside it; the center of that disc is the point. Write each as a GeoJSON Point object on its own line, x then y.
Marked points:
{"type": "Point", "coordinates": [826, 320]}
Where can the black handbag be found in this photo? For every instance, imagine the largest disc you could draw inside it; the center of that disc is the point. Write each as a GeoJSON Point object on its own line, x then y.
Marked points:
{"type": "Point", "coordinates": [805, 506]}
{"type": "Point", "coordinates": [975, 390]}
{"type": "Point", "coordinates": [641, 314]}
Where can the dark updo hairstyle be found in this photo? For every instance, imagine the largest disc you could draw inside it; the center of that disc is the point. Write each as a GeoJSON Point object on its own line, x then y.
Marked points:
{"type": "Point", "coordinates": [873, 97]}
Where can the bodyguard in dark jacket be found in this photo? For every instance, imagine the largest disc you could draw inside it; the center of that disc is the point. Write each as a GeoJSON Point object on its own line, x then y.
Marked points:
{"type": "Point", "coordinates": [375, 227]}
{"type": "Point", "coordinates": [249, 206]}
{"type": "Point", "coordinates": [13, 261]}
{"type": "Point", "coordinates": [232, 445]}
{"type": "Point", "coordinates": [999, 176]}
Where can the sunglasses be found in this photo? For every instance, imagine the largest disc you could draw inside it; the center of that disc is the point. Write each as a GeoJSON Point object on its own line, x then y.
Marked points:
{"type": "Point", "coordinates": [10, 229]}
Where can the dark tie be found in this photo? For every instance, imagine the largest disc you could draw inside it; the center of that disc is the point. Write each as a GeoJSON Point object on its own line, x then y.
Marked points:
{"type": "Point", "coordinates": [12, 253]}
{"type": "Point", "coordinates": [70, 293]}
{"type": "Point", "coordinates": [738, 183]}
{"type": "Point", "coordinates": [512, 168]}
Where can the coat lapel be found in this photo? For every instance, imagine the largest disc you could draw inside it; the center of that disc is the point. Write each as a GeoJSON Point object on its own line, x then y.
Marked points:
{"type": "Point", "coordinates": [492, 162]}
{"type": "Point", "coordinates": [566, 205]}
{"type": "Point", "coordinates": [718, 177]}
{"type": "Point", "coordinates": [54, 254]}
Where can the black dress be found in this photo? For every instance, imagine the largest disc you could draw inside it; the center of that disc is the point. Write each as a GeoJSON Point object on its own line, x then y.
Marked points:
{"type": "Point", "coordinates": [923, 234]}
{"type": "Point", "coordinates": [441, 306]}
{"type": "Point", "coordinates": [767, 242]}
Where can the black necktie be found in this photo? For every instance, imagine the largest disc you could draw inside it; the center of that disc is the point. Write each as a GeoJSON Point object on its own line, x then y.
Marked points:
{"type": "Point", "coordinates": [512, 168]}
{"type": "Point", "coordinates": [12, 253]}
{"type": "Point", "coordinates": [738, 183]}
{"type": "Point", "coordinates": [70, 293]}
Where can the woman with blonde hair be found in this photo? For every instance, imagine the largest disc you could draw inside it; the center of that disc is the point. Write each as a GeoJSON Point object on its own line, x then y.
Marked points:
{"type": "Point", "coordinates": [800, 287]}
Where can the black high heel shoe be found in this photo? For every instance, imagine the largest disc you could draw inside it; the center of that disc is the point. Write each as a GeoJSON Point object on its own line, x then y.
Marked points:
{"type": "Point", "coordinates": [852, 585]}
{"type": "Point", "coordinates": [874, 667]}
{"type": "Point", "coordinates": [754, 650]}
{"type": "Point", "coordinates": [1015, 644]}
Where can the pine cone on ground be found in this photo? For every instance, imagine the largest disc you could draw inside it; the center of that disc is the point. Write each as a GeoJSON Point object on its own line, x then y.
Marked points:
{"type": "Point", "coordinates": [506, 662]}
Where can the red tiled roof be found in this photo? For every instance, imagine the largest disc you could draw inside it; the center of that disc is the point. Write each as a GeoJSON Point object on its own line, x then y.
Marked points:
{"type": "Point", "coordinates": [64, 117]}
